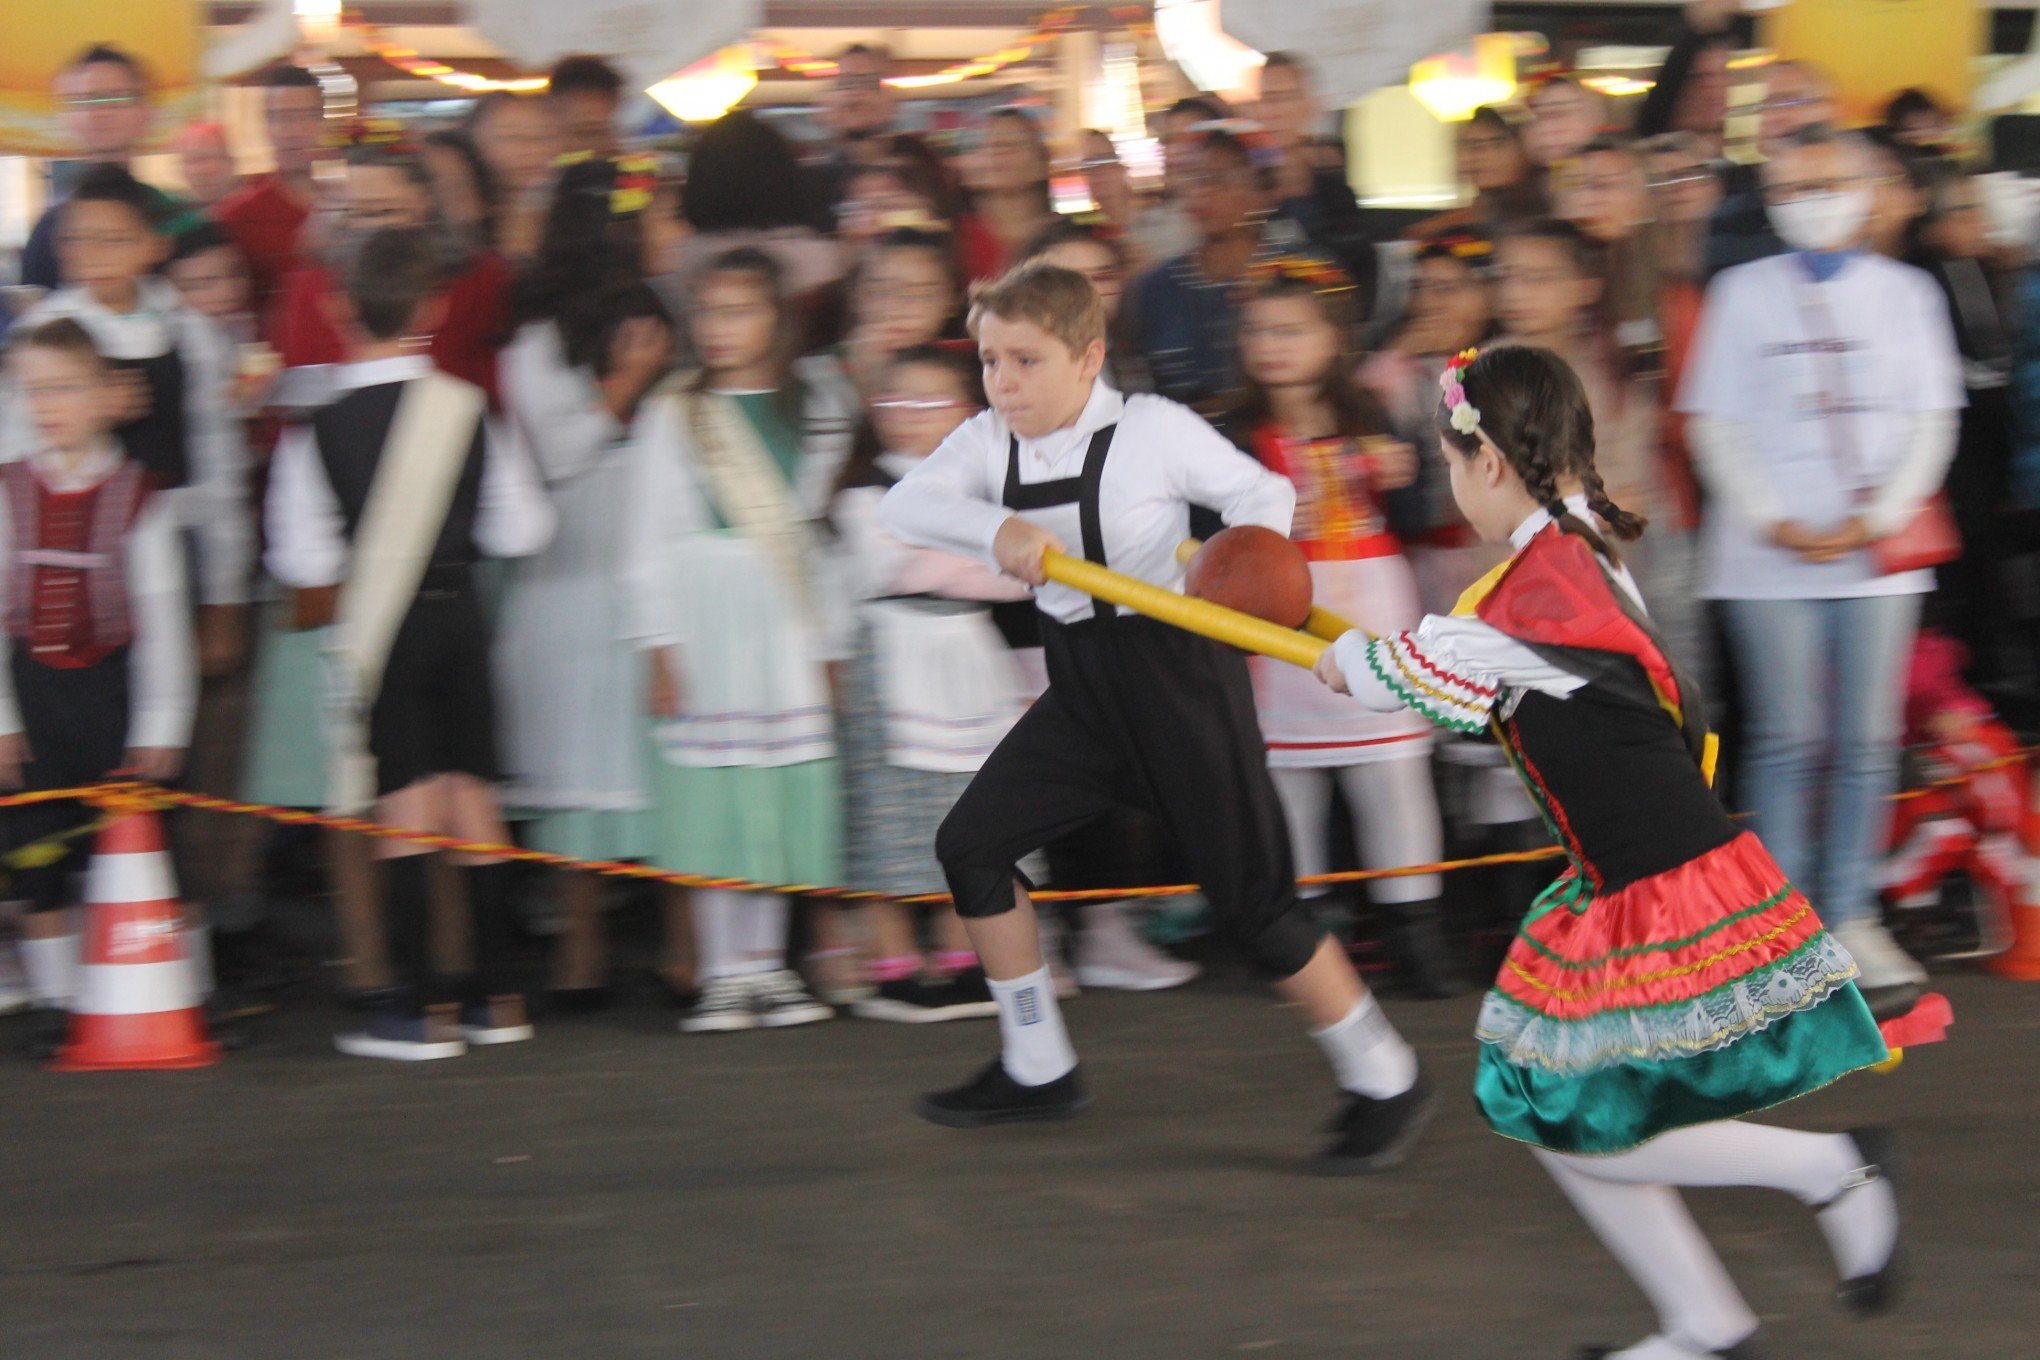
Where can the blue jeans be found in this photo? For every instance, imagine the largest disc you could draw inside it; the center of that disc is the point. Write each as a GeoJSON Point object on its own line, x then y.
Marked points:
{"type": "Point", "coordinates": [1823, 685]}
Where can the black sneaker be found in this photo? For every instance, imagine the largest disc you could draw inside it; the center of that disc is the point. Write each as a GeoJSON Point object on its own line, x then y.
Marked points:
{"type": "Point", "coordinates": [970, 985]}
{"type": "Point", "coordinates": [992, 1097]}
{"type": "Point", "coordinates": [1878, 1160]}
{"type": "Point", "coordinates": [1374, 1135]}
{"type": "Point", "coordinates": [911, 1001]}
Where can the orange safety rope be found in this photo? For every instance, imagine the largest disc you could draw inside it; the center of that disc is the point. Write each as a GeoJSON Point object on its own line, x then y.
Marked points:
{"type": "Point", "coordinates": [127, 796]}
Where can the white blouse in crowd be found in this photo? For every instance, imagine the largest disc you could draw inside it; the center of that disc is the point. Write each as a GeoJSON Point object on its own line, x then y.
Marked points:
{"type": "Point", "coordinates": [1165, 458]}
{"type": "Point", "coordinates": [1463, 669]}
{"type": "Point", "coordinates": [569, 693]}
{"type": "Point", "coordinates": [308, 533]}
{"type": "Point", "coordinates": [213, 503]}
{"type": "Point", "coordinates": [1814, 401]}
{"type": "Point", "coordinates": [162, 664]}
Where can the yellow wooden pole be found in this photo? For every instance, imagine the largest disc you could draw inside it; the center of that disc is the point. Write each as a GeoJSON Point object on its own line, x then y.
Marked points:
{"type": "Point", "coordinates": [1202, 617]}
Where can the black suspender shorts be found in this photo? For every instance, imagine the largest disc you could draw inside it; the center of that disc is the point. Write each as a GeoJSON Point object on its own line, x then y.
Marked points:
{"type": "Point", "coordinates": [1137, 714]}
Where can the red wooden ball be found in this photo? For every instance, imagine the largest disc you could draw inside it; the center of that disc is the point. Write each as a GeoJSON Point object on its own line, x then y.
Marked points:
{"type": "Point", "coordinates": [1254, 570]}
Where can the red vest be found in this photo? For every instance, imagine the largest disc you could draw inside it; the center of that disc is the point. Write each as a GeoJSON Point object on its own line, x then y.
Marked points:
{"type": "Point", "coordinates": [67, 591]}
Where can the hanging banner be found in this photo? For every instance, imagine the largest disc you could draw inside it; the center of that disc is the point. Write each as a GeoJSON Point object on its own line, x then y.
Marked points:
{"type": "Point", "coordinates": [648, 40]}
{"type": "Point", "coordinates": [1872, 49]}
{"type": "Point", "coordinates": [41, 39]}
{"type": "Point", "coordinates": [1355, 47]}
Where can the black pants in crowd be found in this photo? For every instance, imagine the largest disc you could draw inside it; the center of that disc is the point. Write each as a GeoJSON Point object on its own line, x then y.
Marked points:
{"type": "Point", "coordinates": [1142, 715]}
{"type": "Point", "coordinates": [76, 725]}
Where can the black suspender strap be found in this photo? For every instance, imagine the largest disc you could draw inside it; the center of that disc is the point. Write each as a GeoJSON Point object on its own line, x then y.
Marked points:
{"type": "Point", "coordinates": [1080, 491]}
{"type": "Point", "coordinates": [1087, 511]}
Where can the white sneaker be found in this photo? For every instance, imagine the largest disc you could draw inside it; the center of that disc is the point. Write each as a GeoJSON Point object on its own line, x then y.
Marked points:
{"type": "Point", "coordinates": [1055, 953]}
{"type": "Point", "coordinates": [1113, 956]}
{"type": "Point", "coordinates": [724, 1008]}
{"type": "Point", "coordinates": [1880, 963]}
{"type": "Point", "coordinates": [781, 1000]}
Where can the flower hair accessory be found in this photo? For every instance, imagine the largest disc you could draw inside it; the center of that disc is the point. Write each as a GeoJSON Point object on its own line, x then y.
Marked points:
{"type": "Point", "coordinates": [1463, 414]}
{"type": "Point", "coordinates": [1319, 273]}
{"type": "Point", "coordinates": [378, 134]}
{"type": "Point", "coordinates": [637, 176]}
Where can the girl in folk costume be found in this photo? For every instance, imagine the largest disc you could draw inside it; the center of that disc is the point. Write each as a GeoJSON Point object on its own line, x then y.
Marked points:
{"type": "Point", "coordinates": [1672, 980]}
{"type": "Point", "coordinates": [391, 494]}
{"type": "Point", "coordinates": [1304, 417]}
{"type": "Point", "coordinates": [729, 597]}
{"type": "Point", "coordinates": [592, 342]}
{"type": "Point", "coordinates": [100, 675]}
{"type": "Point", "coordinates": [930, 690]}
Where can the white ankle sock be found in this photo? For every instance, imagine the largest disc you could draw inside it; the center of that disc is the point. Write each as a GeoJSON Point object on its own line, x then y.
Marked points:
{"type": "Point", "coordinates": [52, 968]}
{"type": "Point", "coordinates": [1034, 1046]}
{"type": "Point", "coordinates": [1368, 1056]}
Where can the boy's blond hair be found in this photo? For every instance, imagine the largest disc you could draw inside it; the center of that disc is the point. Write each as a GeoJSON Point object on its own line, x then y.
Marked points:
{"type": "Point", "coordinates": [1060, 301]}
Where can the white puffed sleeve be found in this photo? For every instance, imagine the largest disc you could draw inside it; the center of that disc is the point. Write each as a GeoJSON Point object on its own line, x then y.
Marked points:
{"type": "Point", "coordinates": [1454, 671]}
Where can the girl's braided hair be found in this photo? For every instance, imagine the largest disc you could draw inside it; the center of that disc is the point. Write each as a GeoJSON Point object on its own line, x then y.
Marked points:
{"type": "Point", "coordinates": [1532, 408]}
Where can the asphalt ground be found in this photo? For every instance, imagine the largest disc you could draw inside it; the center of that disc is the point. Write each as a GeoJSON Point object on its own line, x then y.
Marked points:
{"type": "Point", "coordinates": [618, 1190]}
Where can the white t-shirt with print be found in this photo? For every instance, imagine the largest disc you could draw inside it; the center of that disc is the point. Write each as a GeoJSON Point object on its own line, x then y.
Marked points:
{"type": "Point", "coordinates": [1823, 378]}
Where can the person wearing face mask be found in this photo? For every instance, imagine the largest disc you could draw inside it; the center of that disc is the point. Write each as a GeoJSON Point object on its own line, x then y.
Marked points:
{"type": "Point", "coordinates": [1823, 399]}
{"type": "Point", "coordinates": [1796, 97]}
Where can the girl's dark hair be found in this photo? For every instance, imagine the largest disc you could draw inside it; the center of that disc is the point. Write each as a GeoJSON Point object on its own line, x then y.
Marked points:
{"type": "Point", "coordinates": [1026, 122]}
{"type": "Point", "coordinates": [1911, 104]}
{"type": "Point", "coordinates": [743, 175]}
{"type": "Point", "coordinates": [957, 360]}
{"type": "Point", "coordinates": [1357, 412]}
{"type": "Point", "coordinates": [462, 144]}
{"type": "Point", "coordinates": [588, 255]}
{"type": "Point", "coordinates": [925, 173]}
{"type": "Point", "coordinates": [1534, 410]}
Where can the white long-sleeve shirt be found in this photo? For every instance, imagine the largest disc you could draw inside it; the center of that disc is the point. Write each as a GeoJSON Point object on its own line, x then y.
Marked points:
{"type": "Point", "coordinates": [1164, 459]}
{"type": "Point", "coordinates": [213, 504]}
{"type": "Point", "coordinates": [308, 533]}
{"type": "Point", "coordinates": [162, 662]}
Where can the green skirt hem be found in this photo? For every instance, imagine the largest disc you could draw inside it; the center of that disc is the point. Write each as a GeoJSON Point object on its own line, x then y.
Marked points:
{"type": "Point", "coordinates": [766, 824]}
{"type": "Point", "coordinates": [1614, 1109]}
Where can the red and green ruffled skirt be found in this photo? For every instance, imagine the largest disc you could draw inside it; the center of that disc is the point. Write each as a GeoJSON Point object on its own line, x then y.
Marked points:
{"type": "Point", "coordinates": [1705, 992]}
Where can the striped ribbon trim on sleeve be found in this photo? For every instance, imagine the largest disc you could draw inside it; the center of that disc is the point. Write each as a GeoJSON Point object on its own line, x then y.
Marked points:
{"type": "Point", "coordinates": [1446, 698]}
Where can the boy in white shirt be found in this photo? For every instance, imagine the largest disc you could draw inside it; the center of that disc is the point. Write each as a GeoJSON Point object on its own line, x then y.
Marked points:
{"type": "Point", "coordinates": [1136, 713]}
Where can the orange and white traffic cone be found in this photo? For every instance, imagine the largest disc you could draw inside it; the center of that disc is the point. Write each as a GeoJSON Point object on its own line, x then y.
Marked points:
{"type": "Point", "coordinates": [137, 1004]}
{"type": "Point", "coordinates": [2022, 961]}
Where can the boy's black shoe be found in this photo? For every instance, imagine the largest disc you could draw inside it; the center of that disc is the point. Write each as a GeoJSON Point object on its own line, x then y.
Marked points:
{"type": "Point", "coordinates": [992, 1097]}
{"type": "Point", "coordinates": [1374, 1135]}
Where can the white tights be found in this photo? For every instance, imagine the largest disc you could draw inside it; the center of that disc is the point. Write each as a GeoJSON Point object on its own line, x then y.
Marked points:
{"type": "Point", "coordinates": [739, 933]}
{"type": "Point", "coordinates": [1632, 1203]}
{"type": "Point", "coordinates": [1395, 821]}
